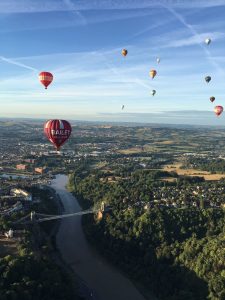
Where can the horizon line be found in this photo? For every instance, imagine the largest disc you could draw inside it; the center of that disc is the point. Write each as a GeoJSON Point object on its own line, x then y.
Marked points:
{"type": "Point", "coordinates": [115, 122]}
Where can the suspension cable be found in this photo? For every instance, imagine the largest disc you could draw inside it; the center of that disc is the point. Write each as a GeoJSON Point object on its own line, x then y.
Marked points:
{"type": "Point", "coordinates": [53, 217]}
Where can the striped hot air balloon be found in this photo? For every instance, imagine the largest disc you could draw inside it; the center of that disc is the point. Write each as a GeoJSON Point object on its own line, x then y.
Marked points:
{"type": "Point", "coordinates": [57, 131]}
{"type": "Point", "coordinates": [45, 78]}
{"type": "Point", "coordinates": [152, 73]}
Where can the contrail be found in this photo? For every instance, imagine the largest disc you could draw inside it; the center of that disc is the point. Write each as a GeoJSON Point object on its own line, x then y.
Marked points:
{"type": "Point", "coordinates": [116, 72]}
{"type": "Point", "coordinates": [73, 9]}
{"type": "Point", "coordinates": [13, 62]}
{"type": "Point", "coordinates": [196, 34]}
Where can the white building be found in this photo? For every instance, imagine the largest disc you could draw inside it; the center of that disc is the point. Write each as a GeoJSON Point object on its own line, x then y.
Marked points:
{"type": "Point", "coordinates": [19, 192]}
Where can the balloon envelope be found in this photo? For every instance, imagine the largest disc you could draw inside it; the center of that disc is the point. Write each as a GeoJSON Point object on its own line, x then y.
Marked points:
{"type": "Point", "coordinates": [218, 110]}
{"type": "Point", "coordinates": [152, 73]}
{"type": "Point", "coordinates": [207, 41]}
{"type": "Point", "coordinates": [45, 78]}
{"type": "Point", "coordinates": [212, 99]}
{"type": "Point", "coordinates": [57, 131]}
{"type": "Point", "coordinates": [207, 79]}
{"type": "Point", "coordinates": [153, 92]}
{"type": "Point", "coordinates": [158, 60]}
{"type": "Point", "coordinates": [124, 52]}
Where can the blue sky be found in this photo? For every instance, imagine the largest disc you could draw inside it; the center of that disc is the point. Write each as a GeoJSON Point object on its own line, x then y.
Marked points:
{"type": "Point", "coordinates": [80, 42]}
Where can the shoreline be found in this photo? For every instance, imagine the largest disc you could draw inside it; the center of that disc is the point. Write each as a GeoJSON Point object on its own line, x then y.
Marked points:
{"type": "Point", "coordinates": [142, 289]}
{"type": "Point", "coordinates": [105, 280]}
{"type": "Point", "coordinates": [78, 282]}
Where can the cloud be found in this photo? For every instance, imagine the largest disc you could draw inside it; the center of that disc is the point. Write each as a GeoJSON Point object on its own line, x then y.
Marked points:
{"type": "Point", "coordinates": [156, 24]}
{"type": "Point", "coordinates": [196, 39]}
{"type": "Point", "coordinates": [71, 6]}
{"type": "Point", "coordinates": [67, 16]}
{"type": "Point", "coordinates": [187, 118]}
{"type": "Point", "coordinates": [31, 6]}
{"type": "Point", "coordinates": [191, 117]}
{"type": "Point", "coordinates": [87, 74]}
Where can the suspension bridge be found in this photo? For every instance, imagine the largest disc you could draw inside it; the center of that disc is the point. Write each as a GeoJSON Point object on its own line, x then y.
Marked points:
{"type": "Point", "coordinates": [39, 217]}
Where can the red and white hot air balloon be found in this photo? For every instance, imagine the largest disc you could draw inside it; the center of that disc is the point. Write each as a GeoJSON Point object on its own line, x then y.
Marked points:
{"type": "Point", "coordinates": [57, 131]}
{"type": "Point", "coordinates": [45, 78]}
{"type": "Point", "coordinates": [218, 110]}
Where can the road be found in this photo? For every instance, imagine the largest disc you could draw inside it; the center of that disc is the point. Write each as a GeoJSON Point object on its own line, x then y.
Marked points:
{"type": "Point", "coordinates": [99, 275]}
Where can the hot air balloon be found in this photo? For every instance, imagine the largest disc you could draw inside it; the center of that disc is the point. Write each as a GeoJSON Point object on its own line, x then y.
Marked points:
{"type": "Point", "coordinates": [122, 107]}
{"type": "Point", "coordinates": [153, 92]}
{"type": "Point", "coordinates": [124, 52]}
{"type": "Point", "coordinates": [45, 78]}
{"type": "Point", "coordinates": [218, 110]}
{"type": "Point", "coordinates": [212, 99]}
{"type": "Point", "coordinates": [207, 41]}
{"type": "Point", "coordinates": [152, 73]}
{"type": "Point", "coordinates": [57, 131]}
{"type": "Point", "coordinates": [158, 60]}
{"type": "Point", "coordinates": [207, 79]}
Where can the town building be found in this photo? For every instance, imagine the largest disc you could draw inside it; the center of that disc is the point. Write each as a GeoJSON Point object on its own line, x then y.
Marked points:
{"type": "Point", "coordinates": [40, 170]}
{"type": "Point", "coordinates": [21, 167]}
{"type": "Point", "coordinates": [30, 160]}
{"type": "Point", "coordinates": [21, 193]}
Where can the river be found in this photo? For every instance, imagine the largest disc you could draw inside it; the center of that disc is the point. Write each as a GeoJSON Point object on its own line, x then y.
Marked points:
{"type": "Point", "coordinates": [99, 275]}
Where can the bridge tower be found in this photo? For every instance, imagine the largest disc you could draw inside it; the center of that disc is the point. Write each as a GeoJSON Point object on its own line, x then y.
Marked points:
{"type": "Point", "coordinates": [102, 209]}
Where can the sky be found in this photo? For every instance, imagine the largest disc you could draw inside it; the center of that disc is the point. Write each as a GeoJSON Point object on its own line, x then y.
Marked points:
{"type": "Point", "coordinates": [80, 42]}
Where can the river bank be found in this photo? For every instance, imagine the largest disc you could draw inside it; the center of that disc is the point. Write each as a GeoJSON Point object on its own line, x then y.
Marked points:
{"type": "Point", "coordinates": [105, 281]}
